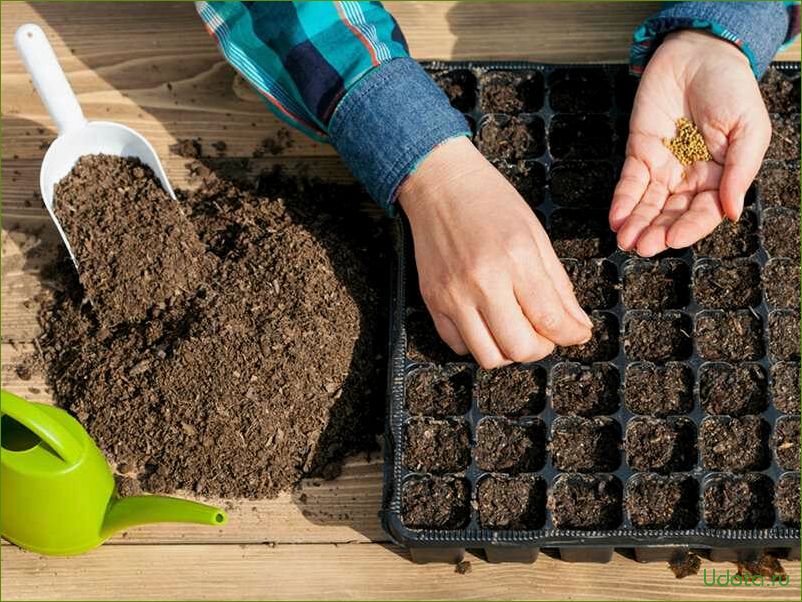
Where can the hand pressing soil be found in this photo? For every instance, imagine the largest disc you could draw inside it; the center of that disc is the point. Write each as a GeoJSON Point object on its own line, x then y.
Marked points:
{"type": "Point", "coordinates": [436, 446]}
{"type": "Point", "coordinates": [585, 502]}
{"type": "Point", "coordinates": [660, 444]}
{"type": "Point", "coordinates": [658, 390]}
{"type": "Point", "coordinates": [511, 138]}
{"type": "Point", "coordinates": [734, 444]}
{"type": "Point", "coordinates": [781, 283]}
{"type": "Point", "coordinates": [785, 387]}
{"type": "Point", "coordinates": [734, 390]}
{"type": "Point", "coordinates": [511, 390]}
{"type": "Point", "coordinates": [511, 91]}
{"type": "Point", "coordinates": [730, 336]}
{"type": "Point", "coordinates": [778, 184]}
{"type": "Point", "coordinates": [584, 390]}
{"type": "Point", "coordinates": [460, 87]}
{"type": "Point", "coordinates": [595, 282]}
{"type": "Point", "coordinates": [662, 502]}
{"type": "Point", "coordinates": [726, 284]}
{"type": "Point", "coordinates": [784, 335]}
{"type": "Point", "coordinates": [730, 239]}
{"type": "Point", "coordinates": [657, 337]}
{"type": "Point", "coordinates": [435, 503]}
{"type": "Point", "coordinates": [786, 499]}
{"type": "Point", "coordinates": [506, 446]}
{"type": "Point", "coordinates": [506, 502]}
{"type": "Point", "coordinates": [655, 285]}
{"type": "Point", "coordinates": [585, 444]}
{"type": "Point", "coordinates": [738, 502]}
{"type": "Point", "coordinates": [786, 443]}
{"type": "Point", "coordinates": [439, 391]}
{"type": "Point", "coordinates": [423, 342]}
{"type": "Point", "coordinates": [602, 346]}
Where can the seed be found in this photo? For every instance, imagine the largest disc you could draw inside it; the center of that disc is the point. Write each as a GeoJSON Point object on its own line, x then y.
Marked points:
{"type": "Point", "coordinates": [688, 145]}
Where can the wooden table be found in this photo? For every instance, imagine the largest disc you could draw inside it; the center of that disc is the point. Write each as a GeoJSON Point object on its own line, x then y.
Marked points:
{"type": "Point", "coordinates": [120, 58]}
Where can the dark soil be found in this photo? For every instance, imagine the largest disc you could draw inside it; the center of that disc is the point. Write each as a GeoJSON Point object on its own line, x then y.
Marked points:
{"type": "Point", "coordinates": [436, 446]}
{"type": "Point", "coordinates": [460, 87]}
{"type": "Point", "coordinates": [662, 502]}
{"type": "Point", "coordinates": [439, 391]}
{"type": "Point", "coordinates": [781, 232]}
{"type": "Point", "coordinates": [579, 91]}
{"type": "Point", "coordinates": [581, 137]}
{"type": "Point", "coordinates": [626, 86]}
{"type": "Point", "coordinates": [784, 137]}
{"type": "Point", "coordinates": [729, 336]}
{"type": "Point", "coordinates": [579, 390]}
{"type": "Point", "coordinates": [506, 446]}
{"type": "Point", "coordinates": [581, 234]}
{"type": "Point", "coordinates": [780, 93]}
{"type": "Point", "coordinates": [585, 502]}
{"type": "Point", "coordinates": [511, 391]}
{"type": "Point", "coordinates": [781, 283]}
{"type": "Point", "coordinates": [655, 285]}
{"type": "Point", "coordinates": [511, 92]}
{"type": "Point", "coordinates": [786, 443]}
{"type": "Point", "coordinates": [726, 284]}
{"type": "Point", "coordinates": [435, 502]}
{"type": "Point", "coordinates": [511, 138]}
{"type": "Point", "coordinates": [685, 563]}
{"type": "Point", "coordinates": [760, 563]}
{"type": "Point", "coordinates": [732, 389]}
{"type": "Point", "coordinates": [785, 387]}
{"type": "Point", "coordinates": [423, 342]}
{"type": "Point", "coordinates": [738, 502]}
{"type": "Point", "coordinates": [511, 502]}
{"type": "Point", "coordinates": [660, 444]}
{"type": "Point", "coordinates": [581, 184]}
{"type": "Point", "coordinates": [657, 337]}
{"type": "Point", "coordinates": [778, 184]}
{"type": "Point", "coordinates": [602, 346]}
{"type": "Point", "coordinates": [786, 499]}
{"type": "Point", "coordinates": [784, 335]}
{"type": "Point", "coordinates": [585, 444]}
{"type": "Point", "coordinates": [463, 567]}
{"type": "Point", "coordinates": [658, 390]}
{"type": "Point", "coordinates": [734, 444]}
{"type": "Point", "coordinates": [595, 282]}
{"type": "Point", "coordinates": [528, 178]}
{"type": "Point", "coordinates": [730, 239]}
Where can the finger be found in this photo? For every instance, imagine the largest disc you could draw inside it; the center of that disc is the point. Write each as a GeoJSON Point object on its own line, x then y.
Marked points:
{"type": "Point", "coordinates": [701, 218]}
{"type": "Point", "coordinates": [741, 164]}
{"type": "Point", "coordinates": [653, 240]}
{"type": "Point", "coordinates": [644, 213]}
{"type": "Point", "coordinates": [480, 342]}
{"type": "Point", "coordinates": [628, 192]}
{"type": "Point", "coordinates": [512, 331]}
{"type": "Point", "coordinates": [449, 333]}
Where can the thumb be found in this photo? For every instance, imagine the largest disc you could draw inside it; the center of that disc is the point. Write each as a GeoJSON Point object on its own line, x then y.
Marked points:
{"type": "Point", "coordinates": [745, 152]}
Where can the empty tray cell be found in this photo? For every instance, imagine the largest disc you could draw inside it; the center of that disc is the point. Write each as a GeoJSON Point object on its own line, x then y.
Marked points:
{"type": "Point", "coordinates": [655, 285]}
{"type": "Point", "coordinates": [511, 502]}
{"type": "Point", "coordinates": [511, 91]}
{"type": "Point", "coordinates": [586, 502]}
{"type": "Point", "coordinates": [738, 502]}
{"type": "Point", "coordinates": [595, 282]}
{"type": "Point", "coordinates": [734, 444]}
{"type": "Point", "coordinates": [786, 499]}
{"type": "Point", "coordinates": [577, 90]}
{"type": "Point", "coordinates": [733, 389]}
{"type": "Point", "coordinates": [780, 92]}
{"type": "Point", "coordinates": [781, 232]}
{"type": "Point", "coordinates": [730, 239]}
{"type": "Point", "coordinates": [506, 446]}
{"type": "Point", "coordinates": [785, 387]}
{"type": "Point", "coordinates": [435, 502]}
{"type": "Point", "coordinates": [733, 284]}
{"type": "Point", "coordinates": [511, 138]}
{"type": "Point", "coordinates": [436, 445]}
{"type": "Point", "coordinates": [657, 337]}
{"type": "Point", "coordinates": [581, 137]}
{"type": "Point", "coordinates": [658, 390]}
{"type": "Point", "coordinates": [662, 502]}
{"type": "Point", "coordinates": [423, 342]}
{"type": "Point", "coordinates": [660, 444]}
{"type": "Point", "coordinates": [626, 85]}
{"type": "Point", "coordinates": [581, 184]}
{"type": "Point", "coordinates": [731, 336]}
{"type": "Point", "coordinates": [781, 283]}
{"type": "Point", "coordinates": [786, 442]}
{"type": "Point", "coordinates": [578, 390]}
{"type": "Point", "coordinates": [784, 137]}
{"type": "Point", "coordinates": [511, 391]}
{"type": "Point", "coordinates": [585, 444]}
{"type": "Point", "coordinates": [784, 335]}
{"type": "Point", "coordinates": [602, 346]}
{"type": "Point", "coordinates": [460, 87]}
{"type": "Point", "coordinates": [581, 234]}
{"type": "Point", "coordinates": [439, 391]}
{"type": "Point", "coordinates": [528, 178]}
{"type": "Point", "coordinates": [778, 184]}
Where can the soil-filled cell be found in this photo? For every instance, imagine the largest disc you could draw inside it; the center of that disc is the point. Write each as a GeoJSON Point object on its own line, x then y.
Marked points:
{"type": "Point", "coordinates": [729, 336]}
{"type": "Point", "coordinates": [586, 502]}
{"type": "Point", "coordinates": [734, 444]}
{"type": "Point", "coordinates": [785, 387]}
{"type": "Point", "coordinates": [578, 390]}
{"type": "Point", "coordinates": [662, 502]}
{"type": "Point", "coordinates": [595, 282]}
{"type": "Point", "coordinates": [726, 284]}
{"type": "Point", "coordinates": [511, 138]}
{"type": "Point", "coordinates": [423, 342]}
{"type": "Point", "coordinates": [660, 444]}
{"type": "Point", "coordinates": [436, 445]}
{"type": "Point", "coordinates": [585, 444]}
{"type": "Point", "coordinates": [785, 442]}
{"type": "Point", "coordinates": [511, 391]}
{"type": "Point", "coordinates": [781, 283]}
{"type": "Point", "coordinates": [506, 446]}
{"type": "Point", "coordinates": [780, 232]}
{"type": "Point", "coordinates": [655, 285]}
{"type": "Point", "coordinates": [786, 499]}
{"type": "Point", "coordinates": [581, 234]}
{"type": "Point", "coordinates": [780, 92]}
{"type": "Point", "coordinates": [784, 137]}
{"type": "Point", "coordinates": [626, 85]}
{"type": "Point", "coordinates": [460, 87]}
{"type": "Point", "coordinates": [784, 335]}
{"type": "Point", "coordinates": [511, 91]}
{"type": "Point", "coordinates": [730, 239]}
{"type": "Point", "coordinates": [528, 178]}
{"type": "Point", "coordinates": [657, 337]}
{"type": "Point", "coordinates": [732, 389]}
{"type": "Point", "coordinates": [602, 346]}
{"type": "Point", "coordinates": [778, 184]}
{"type": "Point", "coordinates": [581, 137]}
{"type": "Point", "coordinates": [511, 502]}
{"type": "Point", "coordinates": [581, 184]}
{"type": "Point", "coordinates": [579, 90]}
{"type": "Point", "coordinates": [658, 390]}
{"type": "Point", "coordinates": [435, 502]}
{"type": "Point", "coordinates": [439, 391]}
{"type": "Point", "coordinates": [738, 502]}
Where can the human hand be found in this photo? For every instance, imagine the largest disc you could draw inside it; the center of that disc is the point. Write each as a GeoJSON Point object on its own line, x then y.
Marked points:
{"type": "Point", "coordinates": [659, 203]}
{"type": "Point", "coordinates": [487, 271]}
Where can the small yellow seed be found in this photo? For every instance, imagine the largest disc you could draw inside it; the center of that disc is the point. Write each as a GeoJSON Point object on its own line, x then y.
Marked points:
{"type": "Point", "coordinates": [688, 145]}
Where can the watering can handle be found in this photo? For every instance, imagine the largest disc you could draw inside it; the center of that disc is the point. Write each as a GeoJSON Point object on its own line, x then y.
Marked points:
{"type": "Point", "coordinates": [44, 426]}
{"type": "Point", "coordinates": [48, 77]}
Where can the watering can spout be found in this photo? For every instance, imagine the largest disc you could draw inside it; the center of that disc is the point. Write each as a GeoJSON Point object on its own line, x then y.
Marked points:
{"type": "Point", "coordinates": [144, 509]}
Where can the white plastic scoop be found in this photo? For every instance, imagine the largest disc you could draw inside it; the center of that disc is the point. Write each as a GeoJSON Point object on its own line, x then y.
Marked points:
{"type": "Point", "coordinates": [77, 136]}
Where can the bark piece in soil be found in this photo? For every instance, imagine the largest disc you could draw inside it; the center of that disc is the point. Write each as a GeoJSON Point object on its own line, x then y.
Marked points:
{"type": "Point", "coordinates": [580, 234]}
{"type": "Point", "coordinates": [726, 284]}
{"type": "Point", "coordinates": [784, 137]}
{"type": "Point", "coordinates": [786, 443]}
{"type": "Point", "coordinates": [781, 283]}
{"type": "Point", "coordinates": [738, 502]}
{"type": "Point", "coordinates": [662, 502]}
{"type": "Point", "coordinates": [585, 444]}
{"type": "Point", "coordinates": [439, 391]}
{"type": "Point", "coordinates": [732, 389]}
{"type": "Point", "coordinates": [585, 502]}
{"type": "Point", "coordinates": [511, 91]}
{"type": "Point", "coordinates": [786, 499]}
{"type": "Point", "coordinates": [578, 390]}
{"type": "Point", "coordinates": [511, 390]}
{"type": "Point", "coordinates": [781, 232]}
{"type": "Point", "coordinates": [460, 87]}
{"type": "Point", "coordinates": [780, 93]}
{"type": "Point", "coordinates": [511, 502]}
{"type": "Point", "coordinates": [602, 346]}
{"type": "Point", "coordinates": [581, 137]}
{"type": "Point", "coordinates": [435, 502]}
{"type": "Point", "coordinates": [734, 444]}
{"type": "Point", "coordinates": [655, 285]}
{"type": "Point", "coordinates": [785, 387]}
{"type": "Point", "coordinates": [511, 138]}
{"type": "Point", "coordinates": [581, 184]}
{"type": "Point", "coordinates": [778, 184]}
{"type": "Point", "coordinates": [658, 390]}
{"type": "Point", "coordinates": [579, 90]}
{"type": "Point", "coordinates": [436, 446]}
{"type": "Point", "coordinates": [660, 444]}
{"type": "Point", "coordinates": [506, 446]}
{"type": "Point", "coordinates": [784, 335]}
{"type": "Point", "coordinates": [730, 239]}
{"type": "Point", "coordinates": [423, 342]}
{"type": "Point", "coordinates": [657, 337]}
{"type": "Point", "coordinates": [595, 282]}
{"type": "Point", "coordinates": [729, 336]}
{"type": "Point", "coordinates": [528, 178]}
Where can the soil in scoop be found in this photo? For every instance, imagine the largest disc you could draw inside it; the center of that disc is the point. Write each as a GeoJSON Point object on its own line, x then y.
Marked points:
{"type": "Point", "coordinates": [738, 502]}
{"type": "Point", "coordinates": [786, 443]}
{"type": "Point", "coordinates": [781, 283]}
{"type": "Point", "coordinates": [585, 444]}
{"type": "Point", "coordinates": [655, 285]}
{"type": "Point", "coordinates": [511, 138]}
{"type": "Point", "coordinates": [579, 91]}
{"type": "Point", "coordinates": [436, 446]}
{"type": "Point", "coordinates": [581, 137]}
{"type": "Point", "coordinates": [785, 387]}
{"type": "Point", "coordinates": [657, 337]}
{"type": "Point", "coordinates": [726, 284]}
{"type": "Point", "coordinates": [584, 390]}
{"type": "Point", "coordinates": [506, 446]}
{"type": "Point", "coordinates": [595, 282]}
{"type": "Point", "coordinates": [581, 184]}
{"type": "Point", "coordinates": [658, 390]}
{"type": "Point", "coordinates": [730, 239]}
{"type": "Point", "coordinates": [778, 184]}
{"type": "Point", "coordinates": [729, 336]}
{"type": "Point", "coordinates": [784, 137]}
{"type": "Point", "coordinates": [781, 232]}
{"type": "Point", "coordinates": [585, 502]}
{"type": "Point", "coordinates": [732, 389]}
{"type": "Point", "coordinates": [439, 391]}
{"type": "Point", "coordinates": [660, 444]}
{"type": "Point", "coordinates": [435, 502]}
{"type": "Point", "coordinates": [507, 92]}
{"type": "Point", "coordinates": [786, 499]}
{"type": "Point", "coordinates": [780, 93]}
{"type": "Point", "coordinates": [602, 346]}
{"type": "Point", "coordinates": [511, 502]}
{"type": "Point", "coordinates": [460, 87]}
{"type": "Point", "coordinates": [734, 444]}
{"type": "Point", "coordinates": [784, 335]}
{"type": "Point", "coordinates": [662, 502]}
{"type": "Point", "coordinates": [580, 234]}
{"type": "Point", "coordinates": [511, 391]}
{"type": "Point", "coordinates": [528, 178]}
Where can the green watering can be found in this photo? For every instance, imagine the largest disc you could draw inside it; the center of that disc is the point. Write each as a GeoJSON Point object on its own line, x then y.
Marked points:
{"type": "Point", "coordinates": [57, 494]}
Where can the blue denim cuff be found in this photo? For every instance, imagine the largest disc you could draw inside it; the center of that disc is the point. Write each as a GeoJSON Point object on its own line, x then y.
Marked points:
{"type": "Point", "coordinates": [388, 122]}
{"type": "Point", "coordinates": [757, 28]}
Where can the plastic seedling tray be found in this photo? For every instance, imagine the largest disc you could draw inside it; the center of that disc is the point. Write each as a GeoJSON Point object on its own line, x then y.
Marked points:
{"type": "Point", "coordinates": [471, 463]}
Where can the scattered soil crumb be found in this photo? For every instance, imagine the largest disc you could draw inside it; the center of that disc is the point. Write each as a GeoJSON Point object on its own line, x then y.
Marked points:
{"type": "Point", "coordinates": [766, 565]}
{"type": "Point", "coordinates": [685, 564]}
{"type": "Point", "coordinates": [463, 567]}
{"type": "Point", "coordinates": [276, 145]}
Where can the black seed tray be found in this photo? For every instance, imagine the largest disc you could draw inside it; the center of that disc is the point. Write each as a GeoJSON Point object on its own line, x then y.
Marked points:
{"type": "Point", "coordinates": [609, 103]}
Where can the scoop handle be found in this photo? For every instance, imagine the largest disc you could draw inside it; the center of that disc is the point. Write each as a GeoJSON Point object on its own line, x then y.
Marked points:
{"type": "Point", "coordinates": [48, 78]}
